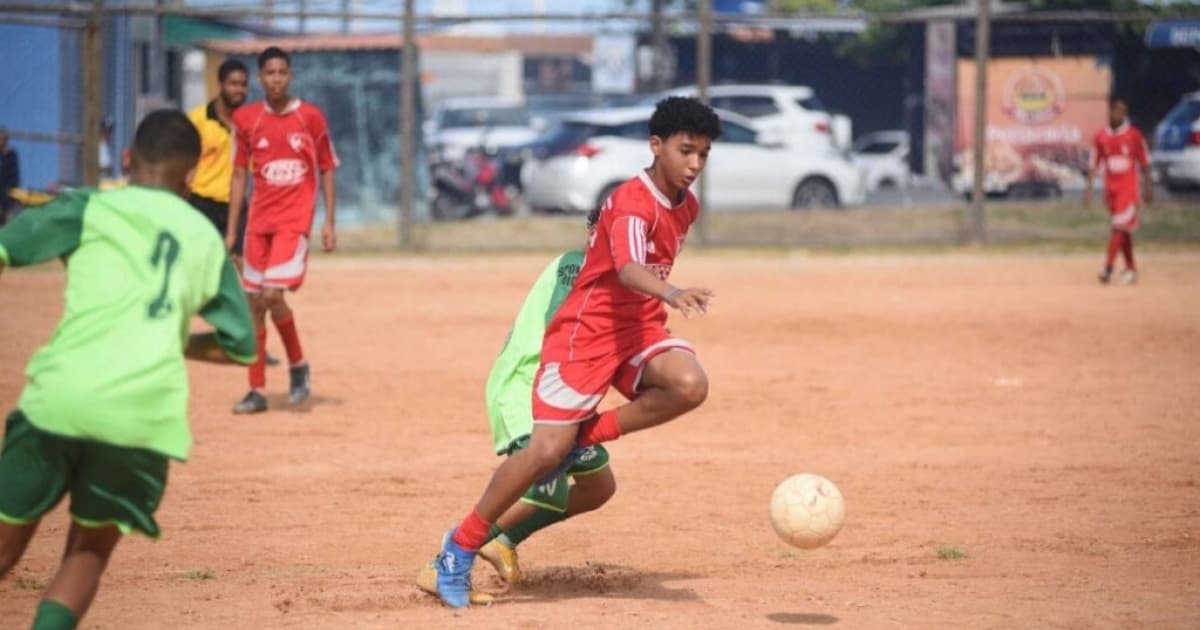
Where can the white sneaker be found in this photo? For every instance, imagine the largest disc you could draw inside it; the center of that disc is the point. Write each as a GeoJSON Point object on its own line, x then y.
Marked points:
{"type": "Point", "coordinates": [1129, 276]}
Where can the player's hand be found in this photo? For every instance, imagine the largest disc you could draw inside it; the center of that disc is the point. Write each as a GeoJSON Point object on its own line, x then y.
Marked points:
{"type": "Point", "coordinates": [230, 241]}
{"type": "Point", "coordinates": [1149, 195]}
{"type": "Point", "coordinates": [692, 302]}
{"type": "Point", "coordinates": [328, 238]}
{"type": "Point", "coordinates": [1087, 197]}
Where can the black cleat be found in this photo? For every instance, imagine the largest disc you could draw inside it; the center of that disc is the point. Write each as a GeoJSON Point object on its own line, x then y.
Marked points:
{"type": "Point", "coordinates": [299, 388]}
{"type": "Point", "coordinates": [272, 360]}
{"type": "Point", "coordinates": [254, 402]}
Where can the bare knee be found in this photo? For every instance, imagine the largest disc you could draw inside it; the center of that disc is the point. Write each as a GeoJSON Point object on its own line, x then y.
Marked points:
{"type": "Point", "coordinates": [13, 540]}
{"type": "Point", "coordinates": [546, 452]}
{"type": "Point", "coordinates": [273, 301]}
{"type": "Point", "coordinates": [690, 386]}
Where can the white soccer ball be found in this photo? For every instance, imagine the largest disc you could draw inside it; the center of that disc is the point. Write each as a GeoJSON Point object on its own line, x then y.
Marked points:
{"type": "Point", "coordinates": [807, 510]}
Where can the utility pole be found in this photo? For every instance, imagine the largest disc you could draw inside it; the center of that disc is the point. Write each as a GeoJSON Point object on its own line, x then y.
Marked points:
{"type": "Point", "coordinates": [658, 42]}
{"type": "Point", "coordinates": [703, 78]}
{"type": "Point", "coordinates": [93, 53]}
{"type": "Point", "coordinates": [408, 127]}
{"type": "Point", "coordinates": [978, 225]}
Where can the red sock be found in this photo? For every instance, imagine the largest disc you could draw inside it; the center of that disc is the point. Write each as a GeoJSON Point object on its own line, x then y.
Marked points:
{"type": "Point", "coordinates": [1127, 250]}
{"type": "Point", "coordinates": [472, 532]}
{"type": "Point", "coordinates": [1114, 244]}
{"type": "Point", "coordinates": [291, 340]}
{"type": "Point", "coordinates": [602, 428]}
{"type": "Point", "coordinates": [258, 369]}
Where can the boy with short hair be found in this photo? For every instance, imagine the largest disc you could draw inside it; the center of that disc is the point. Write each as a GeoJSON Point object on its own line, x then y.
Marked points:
{"type": "Point", "coordinates": [105, 407]}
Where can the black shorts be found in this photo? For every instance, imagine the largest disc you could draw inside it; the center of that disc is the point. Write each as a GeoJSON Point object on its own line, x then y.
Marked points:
{"type": "Point", "coordinates": [218, 213]}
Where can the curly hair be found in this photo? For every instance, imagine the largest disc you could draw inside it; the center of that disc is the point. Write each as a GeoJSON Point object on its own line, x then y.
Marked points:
{"type": "Point", "coordinates": [678, 114]}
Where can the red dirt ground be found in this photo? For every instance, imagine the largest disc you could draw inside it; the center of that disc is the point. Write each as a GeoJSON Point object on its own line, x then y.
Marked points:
{"type": "Point", "coordinates": [1002, 405]}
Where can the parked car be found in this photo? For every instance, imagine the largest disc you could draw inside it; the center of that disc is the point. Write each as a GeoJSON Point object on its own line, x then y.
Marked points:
{"type": "Point", "coordinates": [783, 113]}
{"type": "Point", "coordinates": [575, 166]}
{"type": "Point", "coordinates": [1176, 154]}
{"type": "Point", "coordinates": [459, 124]}
{"type": "Point", "coordinates": [883, 158]}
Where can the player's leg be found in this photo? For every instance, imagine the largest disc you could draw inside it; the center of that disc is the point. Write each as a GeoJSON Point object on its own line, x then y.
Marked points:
{"type": "Point", "coordinates": [546, 503]}
{"type": "Point", "coordinates": [672, 383]}
{"type": "Point", "coordinates": [114, 491]}
{"type": "Point", "coordinates": [74, 587]}
{"type": "Point", "coordinates": [256, 258]}
{"type": "Point", "coordinates": [1110, 255]}
{"type": "Point", "coordinates": [1129, 276]}
{"type": "Point", "coordinates": [34, 470]}
{"type": "Point", "coordinates": [286, 271]}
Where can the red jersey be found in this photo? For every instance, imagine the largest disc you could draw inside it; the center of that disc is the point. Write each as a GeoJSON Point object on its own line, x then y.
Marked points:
{"type": "Point", "coordinates": [601, 317]}
{"type": "Point", "coordinates": [287, 150]}
{"type": "Point", "coordinates": [1121, 152]}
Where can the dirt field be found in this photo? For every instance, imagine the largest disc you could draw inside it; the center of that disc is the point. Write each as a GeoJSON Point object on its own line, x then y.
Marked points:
{"type": "Point", "coordinates": [1002, 406]}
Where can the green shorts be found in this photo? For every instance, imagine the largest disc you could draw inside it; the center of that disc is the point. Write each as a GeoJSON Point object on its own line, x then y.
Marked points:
{"type": "Point", "coordinates": [553, 494]}
{"type": "Point", "coordinates": [109, 485]}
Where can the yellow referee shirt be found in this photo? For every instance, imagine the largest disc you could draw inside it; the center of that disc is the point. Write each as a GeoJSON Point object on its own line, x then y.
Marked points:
{"type": "Point", "coordinates": [214, 172]}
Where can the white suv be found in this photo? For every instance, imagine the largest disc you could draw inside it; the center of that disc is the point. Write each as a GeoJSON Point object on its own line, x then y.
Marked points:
{"type": "Point", "coordinates": [575, 166]}
{"type": "Point", "coordinates": [782, 113]}
{"type": "Point", "coordinates": [459, 124]}
{"type": "Point", "coordinates": [1177, 144]}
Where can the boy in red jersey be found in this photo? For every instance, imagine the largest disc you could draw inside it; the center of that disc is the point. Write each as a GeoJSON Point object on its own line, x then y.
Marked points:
{"type": "Point", "coordinates": [610, 331]}
{"type": "Point", "coordinates": [287, 143]}
{"type": "Point", "coordinates": [1120, 149]}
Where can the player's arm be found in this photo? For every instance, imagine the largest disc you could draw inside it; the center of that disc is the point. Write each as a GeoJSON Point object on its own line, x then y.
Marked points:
{"type": "Point", "coordinates": [234, 340]}
{"type": "Point", "coordinates": [629, 236]}
{"type": "Point", "coordinates": [237, 185]}
{"type": "Point", "coordinates": [327, 161]}
{"type": "Point", "coordinates": [1093, 168]}
{"type": "Point", "coordinates": [51, 231]}
{"type": "Point", "coordinates": [1143, 158]}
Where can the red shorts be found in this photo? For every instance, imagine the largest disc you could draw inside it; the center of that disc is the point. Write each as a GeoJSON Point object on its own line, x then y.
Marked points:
{"type": "Point", "coordinates": [1123, 206]}
{"type": "Point", "coordinates": [276, 261]}
{"type": "Point", "coordinates": [567, 392]}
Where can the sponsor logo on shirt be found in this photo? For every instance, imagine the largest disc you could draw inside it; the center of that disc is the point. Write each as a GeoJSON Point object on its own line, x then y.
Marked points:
{"type": "Point", "coordinates": [284, 172]}
{"type": "Point", "coordinates": [1118, 164]}
{"type": "Point", "coordinates": [662, 272]}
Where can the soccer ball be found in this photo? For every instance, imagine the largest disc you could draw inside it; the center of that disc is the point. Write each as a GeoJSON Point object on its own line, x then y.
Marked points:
{"type": "Point", "coordinates": [807, 511]}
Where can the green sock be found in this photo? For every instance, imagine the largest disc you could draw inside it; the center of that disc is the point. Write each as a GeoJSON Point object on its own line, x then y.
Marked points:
{"type": "Point", "coordinates": [52, 615]}
{"type": "Point", "coordinates": [540, 519]}
{"type": "Point", "coordinates": [493, 532]}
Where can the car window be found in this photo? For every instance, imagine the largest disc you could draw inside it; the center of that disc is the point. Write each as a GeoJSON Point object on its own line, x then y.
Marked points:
{"type": "Point", "coordinates": [639, 130]}
{"type": "Point", "coordinates": [485, 116]}
{"type": "Point", "coordinates": [565, 137]}
{"type": "Point", "coordinates": [733, 132]}
{"type": "Point", "coordinates": [812, 104]}
{"type": "Point", "coordinates": [1184, 113]}
{"type": "Point", "coordinates": [748, 106]}
{"type": "Point", "coordinates": [878, 147]}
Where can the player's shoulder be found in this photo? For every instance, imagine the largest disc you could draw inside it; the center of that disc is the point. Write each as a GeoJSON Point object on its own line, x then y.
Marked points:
{"type": "Point", "coordinates": [198, 113]}
{"type": "Point", "coordinates": [247, 113]}
{"type": "Point", "coordinates": [632, 191]}
{"type": "Point", "coordinates": [311, 111]}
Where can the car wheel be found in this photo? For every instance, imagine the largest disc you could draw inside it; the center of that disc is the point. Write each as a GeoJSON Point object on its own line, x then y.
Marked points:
{"type": "Point", "coordinates": [814, 192]}
{"type": "Point", "coordinates": [605, 193]}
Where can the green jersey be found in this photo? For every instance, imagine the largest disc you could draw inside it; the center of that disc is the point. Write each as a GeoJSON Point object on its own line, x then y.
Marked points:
{"type": "Point", "coordinates": [510, 384]}
{"type": "Point", "coordinates": [141, 263]}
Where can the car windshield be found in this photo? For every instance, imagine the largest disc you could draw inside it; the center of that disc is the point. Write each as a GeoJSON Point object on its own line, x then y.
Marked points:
{"type": "Point", "coordinates": [1184, 113]}
{"type": "Point", "coordinates": [812, 104]}
{"type": "Point", "coordinates": [878, 147]}
{"type": "Point", "coordinates": [485, 117]}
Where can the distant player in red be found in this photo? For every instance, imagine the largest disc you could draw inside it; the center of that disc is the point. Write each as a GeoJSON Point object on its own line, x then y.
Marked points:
{"type": "Point", "coordinates": [286, 142]}
{"type": "Point", "coordinates": [1121, 151]}
{"type": "Point", "coordinates": [609, 332]}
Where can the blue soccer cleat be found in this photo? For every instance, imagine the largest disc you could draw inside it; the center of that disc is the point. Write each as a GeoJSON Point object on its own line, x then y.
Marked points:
{"type": "Point", "coordinates": [453, 566]}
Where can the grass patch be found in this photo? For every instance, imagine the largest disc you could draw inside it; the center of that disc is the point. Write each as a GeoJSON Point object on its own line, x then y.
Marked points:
{"type": "Point", "coordinates": [200, 575]}
{"type": "Point", "coordinates": [951, 553]}
{"type": "Point", "coordinates": [29, 584]}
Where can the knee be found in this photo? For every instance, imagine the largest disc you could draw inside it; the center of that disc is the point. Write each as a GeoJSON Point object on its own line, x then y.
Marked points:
{"type": "Point", "coordinates": [691, 386]}
{"type": "Point", "coordinates": [547, 454]}
{"type": "Point", "coordinates": [272, 300]}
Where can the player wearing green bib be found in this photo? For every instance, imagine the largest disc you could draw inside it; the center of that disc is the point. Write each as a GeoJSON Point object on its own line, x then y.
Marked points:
{"type": "Point", "coordinates": [105, 406]}
{"type": "Point", "coordinates": [509, 406]}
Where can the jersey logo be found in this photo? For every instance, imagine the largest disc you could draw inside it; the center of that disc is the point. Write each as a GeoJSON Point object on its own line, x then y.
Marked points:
{"type": "Point", "coordinates": [549, 488]}
{"type": "Point", "coordinates": [650, 249]}
{"type": "Point", "coordinates": [567, 274]}
{"type": "Point", "coordinates": [285, 172]}
{"type": "Point", "coordinates": [262, 143]}
{"type": "Point", "coordinates": [662, 272]}
{"type": "Point", "coordinates": [297, 141]}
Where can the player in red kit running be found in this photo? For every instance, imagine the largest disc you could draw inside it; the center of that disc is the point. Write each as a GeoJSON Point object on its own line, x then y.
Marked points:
{"type": "Point", "coordinates": [610, 331]}
{"type": "Point", "coordinates": [286, 141]}
{"type": "Point", "coordinates": [1121, 151]}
